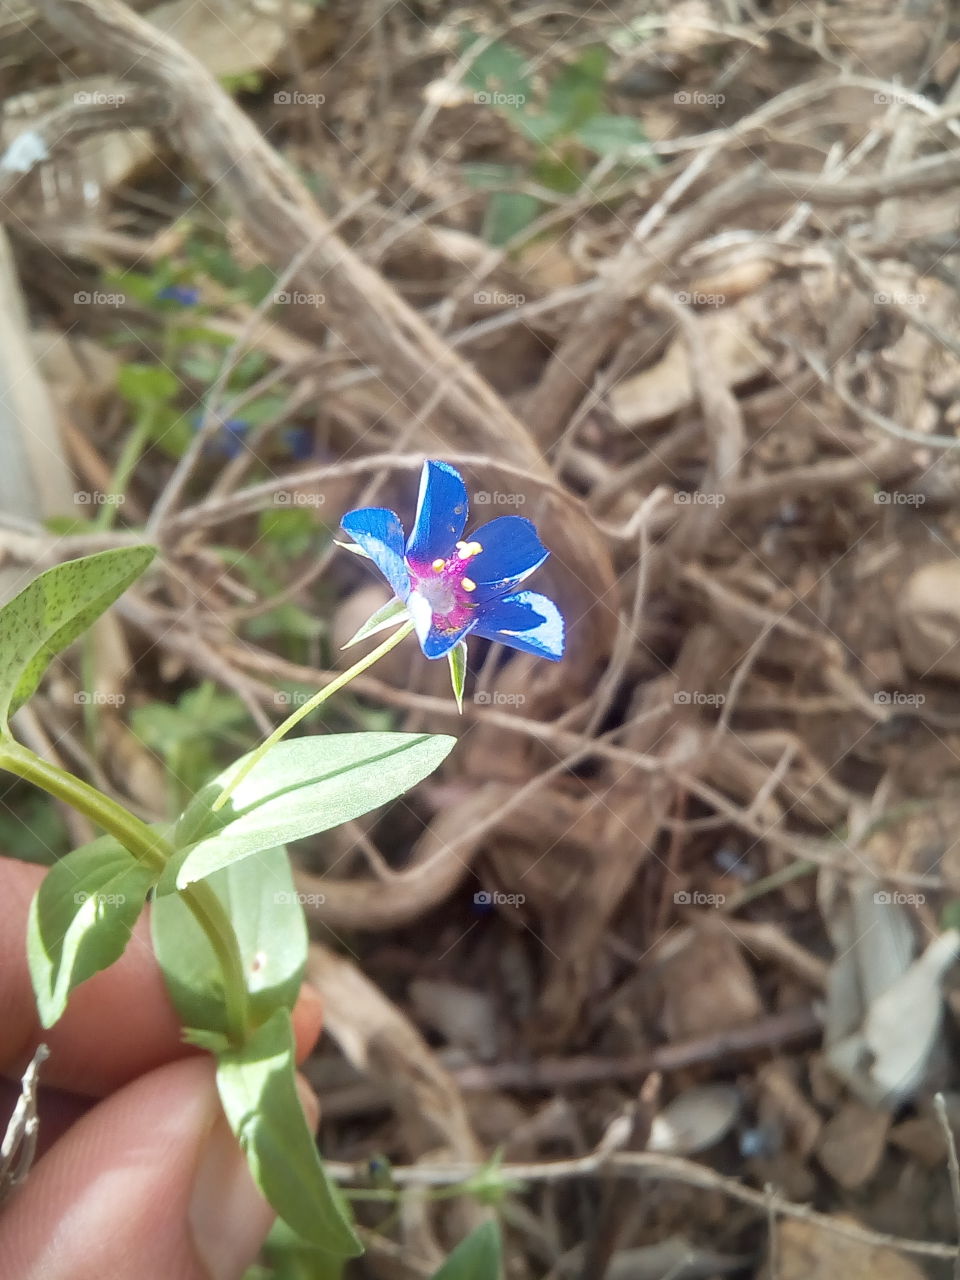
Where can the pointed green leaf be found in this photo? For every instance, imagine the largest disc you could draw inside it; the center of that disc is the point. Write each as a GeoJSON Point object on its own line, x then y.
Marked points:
{"type": "Point", "coordinates": [501, 68]}
{"type": "Point", "coordinates": [388, 615]}
{"type": "Point", "coordinates": [267, 917]}
{"type": "Point", "coordinates": [576, 91]}
{"type": "Point", "coordinates": [81, 918]}
{"type": "Point", "coordinates": [300, 787]}
{"type": "Point", "coordinates": [145, 385]}
{"type": "Point", "coordinates": [476, 1258]}
{"type": "Point", "coordinates": [507, 214]}
{"type": "Point", "coordinates": [256, 1085]}
{"type": "Point", "coordinates": [53, 610]}
{"type": "Point", "coordinates": [457, 657]}
{"type": "Point", "coordinates": [622, 136]}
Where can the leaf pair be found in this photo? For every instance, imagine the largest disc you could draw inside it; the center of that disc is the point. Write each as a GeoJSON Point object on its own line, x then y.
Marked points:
{"type": "Point", "coordinates": [88, 904]}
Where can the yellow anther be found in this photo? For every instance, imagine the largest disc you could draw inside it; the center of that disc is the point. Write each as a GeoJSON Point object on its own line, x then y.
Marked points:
{"type": "Point", "coordinates": [468, 584]}
{"type": "Point", "coordinates": [468, 549]}
{"type": "Point", "coordinates": [438, 565]}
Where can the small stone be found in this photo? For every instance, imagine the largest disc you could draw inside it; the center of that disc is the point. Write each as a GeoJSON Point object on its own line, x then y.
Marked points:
{"type": "Point", "coordinates": [852, 1144]}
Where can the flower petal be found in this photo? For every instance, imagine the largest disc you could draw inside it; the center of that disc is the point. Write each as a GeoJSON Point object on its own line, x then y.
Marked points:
{"type": "Point", "coordinates": [380, 534]}
{"type": "Point", "coordinates": [511, 552]}
{"type": "Point", "coordinates": [527, 621]}
{"type": "Point", "coordinates": [435, 641]}
{"type": "Point", "coordinates": [441, 513]}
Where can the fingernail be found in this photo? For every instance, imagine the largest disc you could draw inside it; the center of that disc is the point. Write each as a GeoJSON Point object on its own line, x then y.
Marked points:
{"type": "Point", "coordinates": [229, 1218]}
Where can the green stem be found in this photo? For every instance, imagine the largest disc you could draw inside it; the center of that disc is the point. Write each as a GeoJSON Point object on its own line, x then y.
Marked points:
{"type": "Point", "coordinates": [130, 455]}
{"type": "Point", "coordinates": [148, 846]}
{"type": "Point", "coordinates": [145, 845]}
{"type": "Point", "coordinates": [211, 916]}
{"type": "Point", "coordinates": [282, 730]}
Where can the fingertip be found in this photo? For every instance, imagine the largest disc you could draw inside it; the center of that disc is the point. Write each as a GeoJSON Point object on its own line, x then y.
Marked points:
{"type": "Point", "coordinates": [307, 1020]}
{"type": "Point", "coordinates": [149, 1183]}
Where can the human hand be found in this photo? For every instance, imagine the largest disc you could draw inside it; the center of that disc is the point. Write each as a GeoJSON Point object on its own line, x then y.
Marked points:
{"type": "Point", "coordinates": [139, 1176]}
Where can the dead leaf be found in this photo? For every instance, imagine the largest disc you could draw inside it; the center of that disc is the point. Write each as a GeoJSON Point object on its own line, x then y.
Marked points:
{"type": "Point", "coordinates": [806, 1251]}
{"type": "Point", "coordinates": [852, 1143]}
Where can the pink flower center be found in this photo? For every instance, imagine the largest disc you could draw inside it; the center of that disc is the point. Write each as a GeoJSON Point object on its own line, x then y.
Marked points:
{"type": "Point", "coordinates": [446, 586]}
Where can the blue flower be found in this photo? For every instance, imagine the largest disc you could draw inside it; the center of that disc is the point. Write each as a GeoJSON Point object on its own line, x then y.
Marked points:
{"type": "Point", "coordinates": [298, 442]}
{"type": "Point", "coordinates": [185, 294]}
{"type": "Point", "coordinates": [228, 440]}
{"type": "Point", "coordinates": [453, 588]}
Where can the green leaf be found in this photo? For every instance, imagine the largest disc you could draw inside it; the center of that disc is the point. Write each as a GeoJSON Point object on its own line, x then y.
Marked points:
{"type": "Point", "coordinates": [170, 430]}
{"type": "Point", "coordinates": [559, 170]}
{"type": "Point", "coordinates": [32, 829]}
{"type": "Point", "coordinates": [388, 615]}
{"type": "Point", "coordinates": [300, 787]}
{"type": "Point", "coordinates": [616, 135]}
{"type": "Point", "coordinates": [145, 385]}
{"type": "Point", "coordinates": [490, 177]}
{"type": "Point", "coordinates": [508, 213]}
{"type": "Point", "coordinates": [265, 408]}
{"type": "Point", "coordinates": [290, 529]}
{"type": "Point", "coordinates": [81, 918]}
{"type": "Point", "coordinates": [256, 1084]}
{"type": "Point", "coordinates": [576, 91]}
{"type": "Point", "coordinates": [293, 1258]}
{"type": "Point", "coordinates": [266, 914]}
{"type": "Point", "coordinates": [500, 68]}
{"type": "Point", "coordinates": [141, 287]}
{"type": "Point", "coordinates": [541, 127]}
{"type": "Point", "coordinates": [457, 657]}
{"type": "Point", "coordinates": [199, 333]}
{"type": "Point", "coordinates": [53, 610]}
{"type": "Point", "coordinates": [476, 1258]}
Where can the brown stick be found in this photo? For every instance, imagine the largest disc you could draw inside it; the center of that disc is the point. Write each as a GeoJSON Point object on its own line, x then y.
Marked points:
{"type": "Point", "coordinates": [562, 1073]}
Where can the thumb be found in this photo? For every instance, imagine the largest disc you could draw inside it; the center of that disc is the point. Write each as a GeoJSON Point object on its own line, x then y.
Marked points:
{"type": "Point", "coordinates": [149, 1183]}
